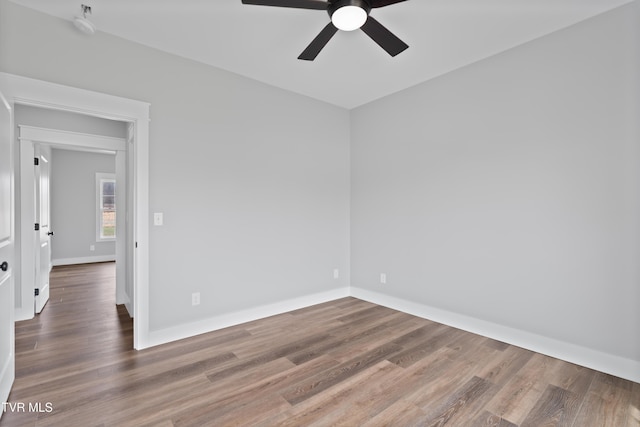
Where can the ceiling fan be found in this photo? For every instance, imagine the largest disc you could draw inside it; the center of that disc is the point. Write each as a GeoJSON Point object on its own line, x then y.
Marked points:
{"type": "Point", "coordinates": [346, 15]}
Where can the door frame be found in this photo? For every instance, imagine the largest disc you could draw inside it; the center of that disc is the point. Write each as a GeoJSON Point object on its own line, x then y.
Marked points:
{"type": "Point", "coordinates": [7, 278]}
{"type": "Point", "coordinates": [29, 137]}
{"type": "Point", "coordinates": [37, 93]}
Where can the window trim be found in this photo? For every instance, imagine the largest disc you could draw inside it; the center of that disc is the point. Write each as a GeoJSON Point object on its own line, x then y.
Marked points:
{"type": "Point", "coordinates": [100, 178]}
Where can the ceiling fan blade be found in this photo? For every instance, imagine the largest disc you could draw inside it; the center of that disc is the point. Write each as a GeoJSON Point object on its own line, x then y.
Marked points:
{"type": "Point", "coordinates": [318, 43]}
{"type": "Point", "coordinates": [299, 4]}
{"type": "Point", "coordinates": [385, 38]}
{"type": "Point", "coordinates": [383, 3]}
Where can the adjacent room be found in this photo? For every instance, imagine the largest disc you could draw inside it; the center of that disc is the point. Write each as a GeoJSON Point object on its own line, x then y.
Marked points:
{"type": "Point", "coordinates": [433, 219]}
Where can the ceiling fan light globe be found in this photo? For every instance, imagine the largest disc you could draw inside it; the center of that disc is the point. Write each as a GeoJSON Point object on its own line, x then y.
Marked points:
{"type": "Point", "coordinates": [349, 18]}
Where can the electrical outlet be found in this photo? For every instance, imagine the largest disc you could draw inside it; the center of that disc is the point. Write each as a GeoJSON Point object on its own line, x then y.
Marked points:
{"type": "Point", "coordinates": [383, 278]}
{"type": "Point", "coordinates": [195, 298]}
{"type": "Point", "coordinates": [336, 273]}
{"type": "Point", "coordinates": [92, 247]}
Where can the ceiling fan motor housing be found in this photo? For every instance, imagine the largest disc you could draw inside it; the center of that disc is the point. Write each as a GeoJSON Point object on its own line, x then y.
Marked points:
{"type": "Point", "coordinates": [362, 4]}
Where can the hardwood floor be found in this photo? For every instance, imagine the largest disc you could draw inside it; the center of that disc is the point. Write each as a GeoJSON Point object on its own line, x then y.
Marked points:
{"type": "Point", "coordinates": [347, 362]}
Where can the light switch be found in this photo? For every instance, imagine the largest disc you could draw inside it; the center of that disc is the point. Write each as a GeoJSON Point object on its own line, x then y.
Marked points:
{"type": "Point", "coordinates": [158, 218]}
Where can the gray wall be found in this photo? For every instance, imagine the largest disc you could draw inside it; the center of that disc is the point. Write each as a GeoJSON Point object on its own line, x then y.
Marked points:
{"type": "Point", "coordinates": [509, 190]}
{"type": "Point", "coordinates": [73, 206]}
{"type": "Point", "coordinates": [252, 181]}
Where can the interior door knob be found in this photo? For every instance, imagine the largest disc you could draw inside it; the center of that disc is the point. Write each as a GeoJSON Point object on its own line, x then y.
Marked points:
{"type": "Point", "coordinates": [4, 266]}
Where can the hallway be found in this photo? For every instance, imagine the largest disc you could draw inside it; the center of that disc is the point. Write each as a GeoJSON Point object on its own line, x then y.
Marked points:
{"type": "Point", "coordinates": [79, 330]}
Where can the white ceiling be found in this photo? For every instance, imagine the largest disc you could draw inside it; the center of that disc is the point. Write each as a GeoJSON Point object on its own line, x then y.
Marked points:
{"type": "Point", "coordinates": [264, 42]}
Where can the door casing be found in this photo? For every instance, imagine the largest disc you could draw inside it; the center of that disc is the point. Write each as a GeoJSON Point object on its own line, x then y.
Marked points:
{"type": "Point", "coordinates": [7, 300]}
{"type": "Point", "coordinates": [33, 139]}
{"type": "Point", "coordinates": [37, 93]}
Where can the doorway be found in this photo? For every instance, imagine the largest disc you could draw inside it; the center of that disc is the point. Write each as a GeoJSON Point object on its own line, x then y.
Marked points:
{"type": "Point", "coordinates": [34, 143]}
{"type": "Point", "coordinates": [25, 91]}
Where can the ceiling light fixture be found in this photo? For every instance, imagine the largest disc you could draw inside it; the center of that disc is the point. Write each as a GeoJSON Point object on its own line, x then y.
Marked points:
{"type": "Point", "coordinates": [82, 23]}
{"type": "Point", "coordinates": [349, 15]}
{"type": "Point", "coordinates": [346, 15]}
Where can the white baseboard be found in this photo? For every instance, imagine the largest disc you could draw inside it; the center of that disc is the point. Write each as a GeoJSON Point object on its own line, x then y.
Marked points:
{"type": "Point", "coordinates": [122, 297]}
{"type": "Point", "coordinates": [22, 313]}
{"type": "Point", "coordinates": [163, 336]}
{"type": "Point", "coordinates": [83, 260]}
{"type": "Point", "coordinates": [611, 364]}
{"type": "Point", "coordinates": [129, 308]}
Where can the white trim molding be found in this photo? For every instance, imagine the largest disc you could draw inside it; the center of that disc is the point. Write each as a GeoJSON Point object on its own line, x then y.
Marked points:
{"type": "Point", "coordinates": [583, 356]}
{"type": "Point", "coordinates": [187, 330]}
{"type": "Point", "coordinates": [83, 260]}
{"type": "Point", "coordinates": [39, 93]}
{"type": "Point", "coordinates": [63, 138]}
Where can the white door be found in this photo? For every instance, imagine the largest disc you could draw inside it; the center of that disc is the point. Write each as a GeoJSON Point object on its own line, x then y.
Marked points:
{"type": "Point", "coordinates": [7, 354]}
{"type": "Point", "coordinates": [43, 235]}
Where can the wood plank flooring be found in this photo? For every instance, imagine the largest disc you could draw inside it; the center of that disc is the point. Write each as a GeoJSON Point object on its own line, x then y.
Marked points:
{"type": "Point", "coordinates": [346, 362]}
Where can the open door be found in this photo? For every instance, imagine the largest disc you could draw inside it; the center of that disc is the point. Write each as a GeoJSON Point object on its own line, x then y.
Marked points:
{"type": "Point", "coordinates": [43, 227]}
{"type": "Point", "coordinates": [7, 300]}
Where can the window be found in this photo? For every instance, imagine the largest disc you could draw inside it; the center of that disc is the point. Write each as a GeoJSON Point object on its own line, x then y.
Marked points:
{"type": "Point", "coordinates": [106, 207]}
